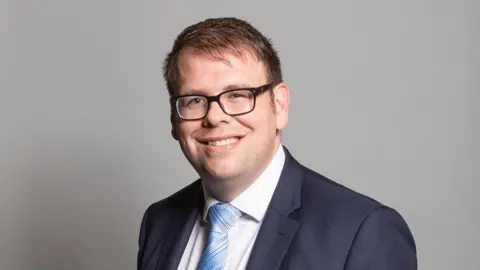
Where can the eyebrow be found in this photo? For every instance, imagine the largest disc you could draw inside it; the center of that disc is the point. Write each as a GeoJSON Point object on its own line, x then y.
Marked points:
{"type": "Point", "coordinates": [226, 88]}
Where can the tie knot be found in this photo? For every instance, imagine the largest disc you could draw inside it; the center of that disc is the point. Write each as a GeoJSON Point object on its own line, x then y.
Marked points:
{"type": "Point", "coordinates": [223, 216]}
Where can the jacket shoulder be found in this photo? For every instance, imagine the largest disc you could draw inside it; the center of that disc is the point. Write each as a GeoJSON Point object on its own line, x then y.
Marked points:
{"type": "Point", "coordinates": [178, 199]}
{"type": "Point", "coordinates": [336, 199]}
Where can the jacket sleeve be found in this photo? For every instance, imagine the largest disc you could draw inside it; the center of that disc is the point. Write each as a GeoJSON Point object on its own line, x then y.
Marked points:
{"type": "Point", "coordinates": [383, 241]}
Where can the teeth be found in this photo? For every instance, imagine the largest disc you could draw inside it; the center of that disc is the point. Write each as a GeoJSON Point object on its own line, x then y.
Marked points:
{"type": "Point", "coordinates": [223, 142]}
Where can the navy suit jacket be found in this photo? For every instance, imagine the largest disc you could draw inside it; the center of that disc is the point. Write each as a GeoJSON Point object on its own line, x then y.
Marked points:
{"type": "Point", "coordinates": [311, 223]}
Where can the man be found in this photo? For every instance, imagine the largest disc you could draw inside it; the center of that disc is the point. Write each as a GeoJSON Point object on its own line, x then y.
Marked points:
{"type": "Point", "coordinates": [254, 206]}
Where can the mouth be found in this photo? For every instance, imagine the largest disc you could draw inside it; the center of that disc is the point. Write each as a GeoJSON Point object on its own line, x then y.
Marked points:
{"type": "Point", "coordinates": [223, 142]}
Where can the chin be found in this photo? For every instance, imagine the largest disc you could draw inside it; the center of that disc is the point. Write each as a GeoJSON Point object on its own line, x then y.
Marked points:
{"type": "Point", "coordinates": [221, 171]}
{"type": "Point", "coordinates": [222, 174]}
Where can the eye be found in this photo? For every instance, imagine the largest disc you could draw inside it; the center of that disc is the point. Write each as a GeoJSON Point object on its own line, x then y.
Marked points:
{"type": "Point", "coordinates": [236, 95]}
{"type": "Point", "coordinates": [195, 100]}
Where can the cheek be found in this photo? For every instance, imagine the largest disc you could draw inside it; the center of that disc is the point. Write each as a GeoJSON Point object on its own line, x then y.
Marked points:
{"type": "Point", "coordinates": [261, 122]}
{"type": "Point", "coordinates": [185, 132]}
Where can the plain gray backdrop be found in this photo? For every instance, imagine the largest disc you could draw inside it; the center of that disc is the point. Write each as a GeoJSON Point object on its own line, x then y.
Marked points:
{"type": "Point", "coordinates": [385, 100]}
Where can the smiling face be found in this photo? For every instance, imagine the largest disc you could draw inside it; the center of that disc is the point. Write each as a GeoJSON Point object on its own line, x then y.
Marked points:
{"type": "Point", "coordinates": [229, 150]}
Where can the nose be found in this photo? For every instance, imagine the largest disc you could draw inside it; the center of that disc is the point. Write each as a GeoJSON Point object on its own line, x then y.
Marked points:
{"type": "Point", "coordinates": [216, 115]}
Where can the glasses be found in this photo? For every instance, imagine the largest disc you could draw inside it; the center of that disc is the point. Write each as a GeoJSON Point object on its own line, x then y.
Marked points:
{"type": "Point", "coordinates": [233, 102]}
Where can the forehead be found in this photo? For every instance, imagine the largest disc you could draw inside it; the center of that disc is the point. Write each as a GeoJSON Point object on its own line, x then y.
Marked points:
{"type": "Point", "coordinates": [199, 70]}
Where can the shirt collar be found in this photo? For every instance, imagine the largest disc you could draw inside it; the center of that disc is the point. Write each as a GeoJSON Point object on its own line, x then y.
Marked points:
{"type": "Point", "coordinates": [255, 199]}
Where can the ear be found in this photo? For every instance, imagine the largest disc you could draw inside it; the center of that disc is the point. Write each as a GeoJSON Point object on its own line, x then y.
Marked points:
{"type": "Point", "coordinates": [173, 131]}
{"type": "Point", "coordinates": [281, 94]}
{"type": "Point", "coordinates": [174, 134]}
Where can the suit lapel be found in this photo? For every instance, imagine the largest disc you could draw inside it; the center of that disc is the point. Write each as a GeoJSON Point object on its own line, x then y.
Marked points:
{"type": "Point", "coordinates": [178, 233]}
{"type": "Point", "coordinates": [281, 220]}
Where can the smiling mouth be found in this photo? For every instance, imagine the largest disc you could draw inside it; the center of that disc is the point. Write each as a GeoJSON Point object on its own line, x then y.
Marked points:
{"type": "Point", "coordinates": [223, 142]}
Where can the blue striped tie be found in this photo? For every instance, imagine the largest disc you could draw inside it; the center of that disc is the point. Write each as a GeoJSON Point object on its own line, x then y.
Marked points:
{"type": "Point", "coordinates": [222, 218]}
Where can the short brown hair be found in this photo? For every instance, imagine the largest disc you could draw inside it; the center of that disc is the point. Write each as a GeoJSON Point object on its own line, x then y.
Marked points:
{"type": "Point", "coordinates": [216, 36]}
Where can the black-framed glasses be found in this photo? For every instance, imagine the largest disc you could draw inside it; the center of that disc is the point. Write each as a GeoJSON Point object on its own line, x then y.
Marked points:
{"type": "Point", "coordinates": [233, 102]}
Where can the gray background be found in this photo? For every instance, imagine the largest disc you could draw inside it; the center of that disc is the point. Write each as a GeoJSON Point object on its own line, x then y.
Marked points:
{"type": "Point", "coordinates": [384, 100]}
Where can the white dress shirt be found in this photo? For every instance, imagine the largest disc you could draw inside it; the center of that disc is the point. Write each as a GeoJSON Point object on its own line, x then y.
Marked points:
{"type": "Point", "coordinates": [253, 202]}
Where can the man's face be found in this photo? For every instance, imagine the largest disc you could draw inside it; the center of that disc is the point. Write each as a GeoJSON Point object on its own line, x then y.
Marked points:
{"type": "Point", "coordinates": [223, 147]}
